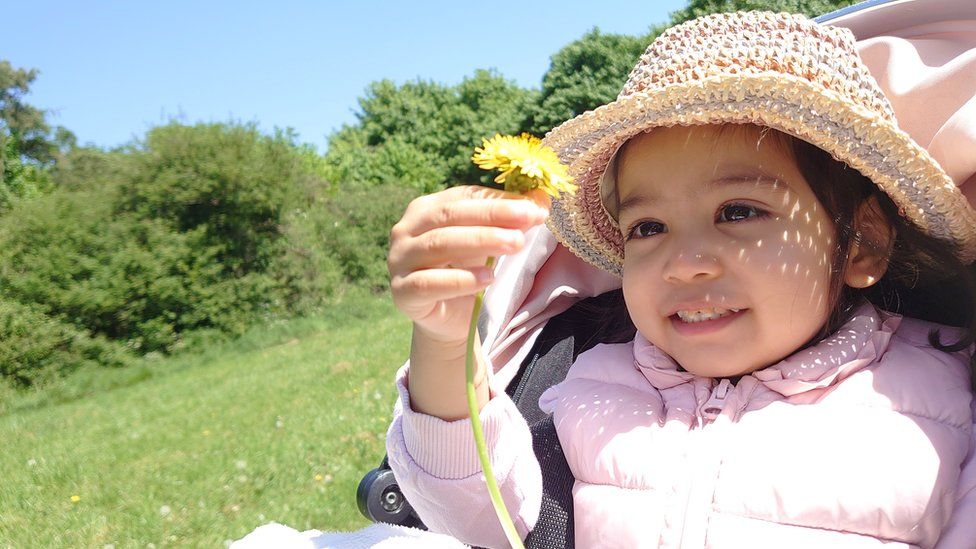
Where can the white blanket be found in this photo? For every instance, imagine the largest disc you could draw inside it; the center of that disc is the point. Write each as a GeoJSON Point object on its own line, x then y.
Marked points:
{"type": "Point", "coordinates": [379, 535]}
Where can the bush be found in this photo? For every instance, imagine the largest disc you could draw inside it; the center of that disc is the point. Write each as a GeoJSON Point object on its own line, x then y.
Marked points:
{"type": "Point", "coordinates": [35, 347]}
{"type": "Point", "coordinates": [122, 277]}
{"type": "Point", "coordinates": [344, 236]}
{"type": "Point", "coordinates": [228, 181]}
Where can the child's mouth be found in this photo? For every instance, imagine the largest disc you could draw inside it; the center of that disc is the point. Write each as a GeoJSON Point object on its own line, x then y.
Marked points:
{"type": "Point", "coordinates": [693, 322]}
{"type": "Point", "coordinates": [702, 315]}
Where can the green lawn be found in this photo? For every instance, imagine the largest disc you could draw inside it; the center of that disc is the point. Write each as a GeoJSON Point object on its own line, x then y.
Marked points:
{"type": "Point", "coordinates": [195, 450]}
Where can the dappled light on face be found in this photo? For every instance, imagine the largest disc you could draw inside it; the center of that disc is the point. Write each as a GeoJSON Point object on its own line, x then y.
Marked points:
{"type": "Point", "coordinates": [764, 242]}
{"type": "Point", "coordinates": [795, 210]}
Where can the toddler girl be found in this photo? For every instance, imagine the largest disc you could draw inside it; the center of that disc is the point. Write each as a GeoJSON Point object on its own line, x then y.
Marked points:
{"type": "Point", "coordinates": [791, 261]}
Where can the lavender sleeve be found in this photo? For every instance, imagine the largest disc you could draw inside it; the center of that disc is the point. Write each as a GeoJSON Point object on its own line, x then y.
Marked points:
{"type": "Point", "coordinates": [436, 465]}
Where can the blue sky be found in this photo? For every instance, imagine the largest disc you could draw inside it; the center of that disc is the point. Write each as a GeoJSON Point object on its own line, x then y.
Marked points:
{"type": "Point", "coordinates": [111, 70]}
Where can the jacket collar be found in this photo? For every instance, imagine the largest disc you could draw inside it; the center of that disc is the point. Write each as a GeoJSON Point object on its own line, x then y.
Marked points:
{"type": "Point", "coordinates": [862, 340]}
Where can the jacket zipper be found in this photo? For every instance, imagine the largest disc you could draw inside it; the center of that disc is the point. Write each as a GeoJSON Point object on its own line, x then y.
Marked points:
{"type": "Point", "coordinates": [707, 449]}
{"type": "Point", "coordinates": [716, 402]}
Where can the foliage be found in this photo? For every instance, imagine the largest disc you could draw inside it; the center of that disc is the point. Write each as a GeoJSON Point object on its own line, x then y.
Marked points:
{"type": "Point", "coordinates": [341, 239]}
{"type": "Point", "coordinates": [18, 179]}
{"type": "Point", "coordinates": [34, 138]}
{"type": "Point", "coordinates": [226, 181]}
{"type": "Point", "coordinates": [121, 277]}
{"type": "Point", "coordinates": [352, 162]}
{"type": "Point", "coordinates": [583, 75]}
{"type": "Point", "coordinates": [35, 347]}
{"type": "Point", "coordinates": [93, 169]}
{"type": "Point", "coordinates": [422, 133]}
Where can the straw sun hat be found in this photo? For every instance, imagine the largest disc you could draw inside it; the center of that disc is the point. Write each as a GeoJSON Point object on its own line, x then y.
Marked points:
{"type": "Point", "coordinates": [778, 70]}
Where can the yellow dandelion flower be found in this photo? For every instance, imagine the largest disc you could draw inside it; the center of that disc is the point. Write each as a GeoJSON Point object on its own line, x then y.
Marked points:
{"type": "Point", "coordinates": [525, 164]}
{"type": "Point", "coordinates": [318, 478]}
{"type": "Point", "coordinates": [75, 498]}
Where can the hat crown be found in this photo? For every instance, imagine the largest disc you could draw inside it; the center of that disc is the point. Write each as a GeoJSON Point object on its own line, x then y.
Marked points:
{"type": "Point", "coordinates": [757, 43]}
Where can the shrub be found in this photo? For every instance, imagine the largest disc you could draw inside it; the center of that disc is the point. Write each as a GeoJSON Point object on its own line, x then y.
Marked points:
{"type": "Point", "coordinates": [344, 236]}
{"type": "Point", "coordinates": [35, 347]}
{"type": "Point", "coordinates": [228, 181]}
{"type": "Point", "coordinates": [122, 277]}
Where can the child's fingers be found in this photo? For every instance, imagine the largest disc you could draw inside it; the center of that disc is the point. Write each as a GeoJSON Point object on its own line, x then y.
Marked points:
{"type": "Point", "coordinates": [468, 205]}
{"type": "Point", "coordinates": [417, 292]}
{"type": "Point", "coordinates": [508, 213]}
{"type": "Point", "coordinates": [452, 245]}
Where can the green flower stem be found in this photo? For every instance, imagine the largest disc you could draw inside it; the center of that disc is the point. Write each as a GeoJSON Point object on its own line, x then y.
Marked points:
{"type": "Point", "coordinates": [479, 436]}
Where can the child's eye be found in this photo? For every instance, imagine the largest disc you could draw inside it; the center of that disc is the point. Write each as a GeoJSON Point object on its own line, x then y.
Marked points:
{"type": "Point", "coordinates": [730, 213]}
{"type": "Point", "coordinates": [644, 229]}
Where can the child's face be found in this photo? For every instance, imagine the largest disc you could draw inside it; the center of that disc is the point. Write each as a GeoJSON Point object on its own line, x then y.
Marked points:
{"type": "Point", "coordinates": [727, 253]}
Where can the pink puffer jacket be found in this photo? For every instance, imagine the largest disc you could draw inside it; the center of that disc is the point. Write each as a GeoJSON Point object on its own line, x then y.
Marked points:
{"type": "Point", "coordinates": [863, 440]}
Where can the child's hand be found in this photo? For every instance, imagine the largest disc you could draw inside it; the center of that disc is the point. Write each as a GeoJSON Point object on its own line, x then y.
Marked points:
{"type": "Point", "coordinates": [439, 247]}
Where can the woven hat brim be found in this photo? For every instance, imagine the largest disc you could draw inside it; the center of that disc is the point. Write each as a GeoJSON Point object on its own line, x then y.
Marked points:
{"type": "Point", "coordinates": [918, 186]}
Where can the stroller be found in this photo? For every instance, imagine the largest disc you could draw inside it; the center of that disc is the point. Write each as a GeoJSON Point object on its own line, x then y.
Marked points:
{"type": "Point", "coordinates": [547, 306]}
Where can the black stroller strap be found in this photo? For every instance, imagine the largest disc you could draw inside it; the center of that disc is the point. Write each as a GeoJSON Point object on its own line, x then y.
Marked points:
{"type": "Point", "coordinates": [564, 337]}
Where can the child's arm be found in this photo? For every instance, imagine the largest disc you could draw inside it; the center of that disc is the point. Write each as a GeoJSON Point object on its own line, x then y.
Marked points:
{"type": "Point", "coordinates": [437, 468]}
{"type": "Point", "coordinates": [437, 256]}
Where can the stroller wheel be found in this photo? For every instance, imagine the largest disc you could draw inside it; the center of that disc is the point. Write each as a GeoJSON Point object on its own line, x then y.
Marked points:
{"type": "Point", "coordinates": [380, 499]}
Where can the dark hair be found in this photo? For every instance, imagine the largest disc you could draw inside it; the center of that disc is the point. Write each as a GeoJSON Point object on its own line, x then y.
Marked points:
{"type": "Point", "coordinates": [925, 278]}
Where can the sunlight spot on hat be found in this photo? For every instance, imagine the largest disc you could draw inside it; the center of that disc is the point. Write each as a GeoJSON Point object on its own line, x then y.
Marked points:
{"type": "Point", "coordinates": [742, 253]}
{"type": "Point", "coordinates": [782, 269]}
{"type": "Point", "coordinates": [759, 243]}
{"type": "Point", "coordinates": [786, 236]}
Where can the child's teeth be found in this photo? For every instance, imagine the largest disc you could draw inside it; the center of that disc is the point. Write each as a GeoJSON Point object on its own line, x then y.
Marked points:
{"type": "Point", "coordinates": [700, 315]}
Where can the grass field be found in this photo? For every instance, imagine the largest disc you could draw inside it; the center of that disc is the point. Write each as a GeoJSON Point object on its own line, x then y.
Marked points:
{"type": "Point", "coordinates": [199, 449]}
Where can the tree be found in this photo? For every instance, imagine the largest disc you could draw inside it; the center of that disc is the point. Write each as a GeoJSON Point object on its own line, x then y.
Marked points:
{"type": "Point", "coordinates": [585, 74]}
{"type": "Point", "coordinates": [422, 132]}
{"type": "Point", "coordinates": [27, 125]}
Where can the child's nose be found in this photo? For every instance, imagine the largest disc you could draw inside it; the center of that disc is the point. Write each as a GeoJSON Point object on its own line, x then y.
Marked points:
{"type": "Point", "coordinates": [692, 264]}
